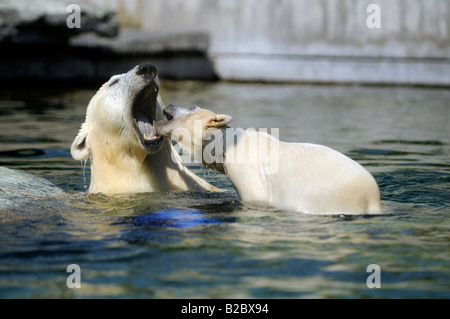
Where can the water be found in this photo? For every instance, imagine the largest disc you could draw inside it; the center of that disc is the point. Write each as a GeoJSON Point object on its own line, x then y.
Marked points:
{"type": "Point", "coordinates": [197, 245]}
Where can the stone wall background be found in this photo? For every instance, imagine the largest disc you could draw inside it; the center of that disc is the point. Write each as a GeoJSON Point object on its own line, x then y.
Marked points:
{"type": "Point", "coordinates": [303, 40]}
{"type": "Point", "coordinates": [320, 41]}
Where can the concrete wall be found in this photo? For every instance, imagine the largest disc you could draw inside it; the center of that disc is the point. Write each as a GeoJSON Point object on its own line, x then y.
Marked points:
{"type": "Point", "coordinates": [312, 41]}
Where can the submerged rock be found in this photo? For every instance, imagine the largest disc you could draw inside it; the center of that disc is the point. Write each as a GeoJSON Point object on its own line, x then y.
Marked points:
{"type": "Point", "coordinates": [17, 187]}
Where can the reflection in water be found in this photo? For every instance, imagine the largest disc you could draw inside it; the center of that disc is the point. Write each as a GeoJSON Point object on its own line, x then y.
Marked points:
{"type": "Point", "coordinates": [173, 218]}
{"type": "Point", "coordinates": [188, 244]}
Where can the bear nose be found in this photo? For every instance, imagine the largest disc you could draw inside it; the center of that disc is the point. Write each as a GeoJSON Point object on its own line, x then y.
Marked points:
{"type": "Point", "coordinates": [146, 70]}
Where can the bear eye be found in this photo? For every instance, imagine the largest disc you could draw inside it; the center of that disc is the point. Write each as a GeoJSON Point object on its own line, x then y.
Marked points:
{"type": "Point", "coordinates": [114, 82]}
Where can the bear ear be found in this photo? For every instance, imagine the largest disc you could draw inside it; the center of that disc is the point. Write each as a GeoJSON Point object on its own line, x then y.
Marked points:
{"type": "Point", "coordinates": [79, 148]}
{"type": "Point", "coordinates": [219, 120]}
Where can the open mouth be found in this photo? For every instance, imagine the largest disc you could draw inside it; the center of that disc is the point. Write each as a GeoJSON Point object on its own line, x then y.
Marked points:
{"type": "Point", "coordinates": [143, 113]}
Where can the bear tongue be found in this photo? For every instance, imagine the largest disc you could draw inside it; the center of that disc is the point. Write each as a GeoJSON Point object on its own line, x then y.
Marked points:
{"type": "Point", "coordinates": [144, 125]}
{"type": "Point", "coordinates": [146, 129]}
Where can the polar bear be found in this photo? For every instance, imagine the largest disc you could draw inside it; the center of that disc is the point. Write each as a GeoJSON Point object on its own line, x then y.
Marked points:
{"type": "Point", "coordinates": [295, 176]}
{"type": "Point", "coordinates": [119, 138]}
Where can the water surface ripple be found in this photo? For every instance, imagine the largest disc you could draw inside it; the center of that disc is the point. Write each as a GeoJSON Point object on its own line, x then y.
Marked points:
{"type": "Point", "coordinates": [200, 245]}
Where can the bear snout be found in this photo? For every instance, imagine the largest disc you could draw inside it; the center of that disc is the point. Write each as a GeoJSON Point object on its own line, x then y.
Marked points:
{"type": "Point", "coordinates": [146, 70]}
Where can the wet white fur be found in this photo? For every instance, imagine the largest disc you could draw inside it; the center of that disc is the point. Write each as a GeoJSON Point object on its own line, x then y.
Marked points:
{"type": "Point", "coordinates": [118, 162]}
{"type": "Point", "coordinates": [308, 178]}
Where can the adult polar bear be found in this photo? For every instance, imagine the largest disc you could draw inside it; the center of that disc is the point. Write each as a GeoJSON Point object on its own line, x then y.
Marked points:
{"type": "Point", "coordinates": [119, 138]}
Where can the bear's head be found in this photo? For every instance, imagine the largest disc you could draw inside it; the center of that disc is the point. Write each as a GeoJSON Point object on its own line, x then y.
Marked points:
{"type": "Point", "coordinates": [187, 121]}
{"type": "Point", "coordinates": [193, 128]}
{"type": "Point", "coordinates": [121, 115]}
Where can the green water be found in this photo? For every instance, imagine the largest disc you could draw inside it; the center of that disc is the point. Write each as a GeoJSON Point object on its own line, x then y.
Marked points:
{"type": "Point", "coordinates": [200, 245]}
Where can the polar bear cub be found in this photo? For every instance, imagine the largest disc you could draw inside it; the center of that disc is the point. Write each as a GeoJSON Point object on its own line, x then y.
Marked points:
{"type": "Point", "coordinates": [119, 138]}
{"type": "Point", "coordinates": [295, 176]}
